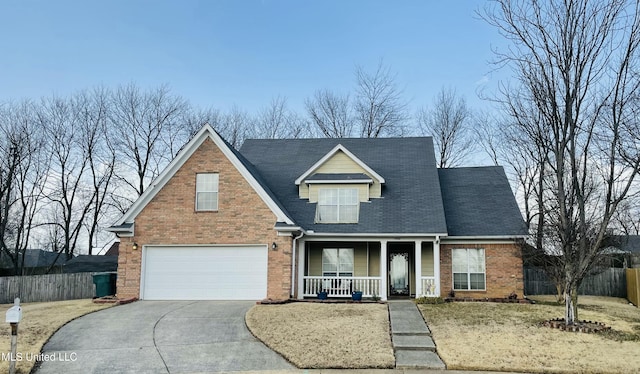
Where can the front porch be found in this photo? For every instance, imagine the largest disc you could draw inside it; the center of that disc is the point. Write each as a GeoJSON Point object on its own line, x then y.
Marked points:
{"type": "Point", "coordinates": [342, 267]}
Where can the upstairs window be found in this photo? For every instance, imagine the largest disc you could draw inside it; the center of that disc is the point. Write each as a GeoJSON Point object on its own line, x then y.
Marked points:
{"type": "Point", "coordinates": [337, 205]}
{"type": "Point", "coordinates": [468, 269]}
{"type": "Point", "coordinates": [207, 192]}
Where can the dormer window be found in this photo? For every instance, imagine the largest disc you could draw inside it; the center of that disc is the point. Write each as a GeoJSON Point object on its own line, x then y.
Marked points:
{"type": "Point", "coordinates": [337, 205]}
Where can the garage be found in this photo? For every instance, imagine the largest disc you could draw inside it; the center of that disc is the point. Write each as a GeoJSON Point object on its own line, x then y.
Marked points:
{"type": "Point", "coordinates": [236, 272]}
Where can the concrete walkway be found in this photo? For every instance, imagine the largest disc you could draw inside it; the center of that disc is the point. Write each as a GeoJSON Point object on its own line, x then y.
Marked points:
{"type": "Point", "coordinates": [412, 341]}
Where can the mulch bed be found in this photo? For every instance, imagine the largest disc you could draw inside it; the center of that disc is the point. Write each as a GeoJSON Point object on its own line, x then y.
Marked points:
{"type": "Point", "coordinates": [488, 300]}
{"type": "Point", "coordinates": [578, 326]}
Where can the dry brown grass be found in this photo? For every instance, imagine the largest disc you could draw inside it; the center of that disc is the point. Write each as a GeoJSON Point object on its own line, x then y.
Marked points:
{"type": "Point", "coordinates": [489, 336]}
{"type": "Point", "coordinates": [39, 322]}
{"type": "Point", "coordinates": [315, 335]}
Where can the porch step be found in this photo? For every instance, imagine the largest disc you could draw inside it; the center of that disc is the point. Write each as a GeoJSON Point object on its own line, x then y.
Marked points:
{"type": "Point", "coordinates": [412, 343]}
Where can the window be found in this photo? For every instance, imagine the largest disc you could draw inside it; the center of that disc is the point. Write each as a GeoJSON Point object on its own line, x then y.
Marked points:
{"type": "Point", "coordinates": [207, 192]}
{"type": "Point", "coordinates": [337, 262]}
{"type": "Point", "coordinates": [468, 269]}
{"type": "Point", "coordinates": [337, 205]}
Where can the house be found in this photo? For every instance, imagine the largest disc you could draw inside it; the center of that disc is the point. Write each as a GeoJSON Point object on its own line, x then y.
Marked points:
{"type": "Point", "coordinates": [91, 263]}
{"type": "Point", "coordinates": [289, 218]}
{"type": "Point", "coordinates": [36, 261]}
{"type": "Point", "coordinates": [628, 249]}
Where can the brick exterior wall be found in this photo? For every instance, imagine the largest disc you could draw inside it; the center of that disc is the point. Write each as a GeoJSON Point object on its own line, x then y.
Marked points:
{"type": "Point", "coordinates": [170, 218]}
{"type": "Point", "coordinates": [503, 266]}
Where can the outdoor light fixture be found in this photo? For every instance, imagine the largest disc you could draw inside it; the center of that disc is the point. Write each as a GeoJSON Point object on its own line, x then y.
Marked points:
{"type": "Point", "coordinates": [274, 246]}
{"type": "Point", "coordinates": [134, 246]}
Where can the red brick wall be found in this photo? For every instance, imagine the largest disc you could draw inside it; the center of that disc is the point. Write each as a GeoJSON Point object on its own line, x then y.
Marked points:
{"type": "Point", "coordinates": [170, 218]}
{"type": "Point", "coordinates": [503, 264]}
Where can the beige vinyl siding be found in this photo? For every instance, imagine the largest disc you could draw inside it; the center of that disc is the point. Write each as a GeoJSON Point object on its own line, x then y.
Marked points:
{"type": "Point", "coordinates": [341, 163]}
{"type": "Point", "coordinates": [315, 262]}
{"type": "Point", "coordinates": [360, 261]}
{"type": "Point", "coordinates": [427, 260]}
{"type": "Point", "coordinates": [374, 260]}
{"type": "Point", "coordinates": [362, 190]}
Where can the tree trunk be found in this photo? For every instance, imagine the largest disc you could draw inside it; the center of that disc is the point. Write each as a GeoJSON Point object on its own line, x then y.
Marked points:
{"type": "Point", "coordinates": [570, 304]}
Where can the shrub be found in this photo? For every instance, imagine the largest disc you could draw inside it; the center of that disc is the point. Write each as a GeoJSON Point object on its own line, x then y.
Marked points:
{"type": "Point", "coordinates": [430, 300]}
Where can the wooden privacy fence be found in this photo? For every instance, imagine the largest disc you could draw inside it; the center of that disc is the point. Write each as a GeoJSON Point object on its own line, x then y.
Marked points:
{"type": "Point", "coordinates": [611, 282]}
{"type": "Point", "coordinates": [50, 287]}
{"type": "Point", "coordinates": [633, 286]}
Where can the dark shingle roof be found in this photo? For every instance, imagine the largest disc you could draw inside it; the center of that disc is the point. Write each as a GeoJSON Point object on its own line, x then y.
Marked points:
{"type": "Point", "coordinates": [91, 263]}
{"type": "Point", "coordinates": [411, 203]}
{"type": "Point", "coordinates": [35, 258]}
{"type": "Point", "coordinates": [479, 202]}
{"type": "Point", "coordinates": [627, 243]}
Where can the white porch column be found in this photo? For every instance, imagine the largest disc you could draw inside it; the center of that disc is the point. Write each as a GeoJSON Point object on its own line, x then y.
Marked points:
{"type": "Point", "coordinates": [302, 253]}
{"type": "Point", "coordinates": [418, 263]}
{"type": "Point", "coordinates": [436, 264]}
{"type": "Point", "coordinates": [383, 270]}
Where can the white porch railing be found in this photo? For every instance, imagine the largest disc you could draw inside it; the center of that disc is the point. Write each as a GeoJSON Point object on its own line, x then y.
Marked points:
{"type": "Point", "coordinates": [429, 286]}
{"type": "Point", "coordinates": [341, 286]}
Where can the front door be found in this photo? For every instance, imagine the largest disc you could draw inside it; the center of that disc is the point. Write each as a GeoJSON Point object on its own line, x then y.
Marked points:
{"type": "Point", "coordinates": [399, 273]}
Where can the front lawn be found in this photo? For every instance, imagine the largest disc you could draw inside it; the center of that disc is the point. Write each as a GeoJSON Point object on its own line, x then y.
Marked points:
{"type": "Point", "coordinates": [509, 337]}
{"type": "Point", "coordinates": [39, 322]}
{"type": "Point", "coordinates": [316, 335]}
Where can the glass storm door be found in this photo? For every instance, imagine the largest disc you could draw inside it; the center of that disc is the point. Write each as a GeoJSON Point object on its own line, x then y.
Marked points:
{"type": "Point", "coordinates": [399, 274]}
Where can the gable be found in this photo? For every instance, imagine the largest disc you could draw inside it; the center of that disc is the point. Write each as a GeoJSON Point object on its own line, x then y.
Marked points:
{"type": "Point", "coordinates": [124, 226]}
{"type": "Point", "coordinates": [339, 163]}
{"type": "Point", "coordinates": [339, 166]}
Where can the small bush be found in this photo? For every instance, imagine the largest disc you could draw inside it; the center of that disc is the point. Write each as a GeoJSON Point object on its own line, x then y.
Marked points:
{"type": "Point", "coordinates": [430, 300]}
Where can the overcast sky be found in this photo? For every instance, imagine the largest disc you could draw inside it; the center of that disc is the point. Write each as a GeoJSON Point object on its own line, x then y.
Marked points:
{"type": "Point", "coordinates": [221, 53]}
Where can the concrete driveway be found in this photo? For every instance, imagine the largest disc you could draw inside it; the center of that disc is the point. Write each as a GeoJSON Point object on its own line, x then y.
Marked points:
{"type": "Point", "coordinates": [160, 337]}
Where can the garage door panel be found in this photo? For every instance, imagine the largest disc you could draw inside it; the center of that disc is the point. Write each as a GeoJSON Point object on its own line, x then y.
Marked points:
{"type": "Point", "coordinates": [205, 273]}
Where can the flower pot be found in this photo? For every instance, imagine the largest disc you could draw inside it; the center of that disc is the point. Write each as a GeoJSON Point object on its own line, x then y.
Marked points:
{"type": "Point", "coordinates": [322, 295]}
{"type": "Point", "coordinates": [356, 296]}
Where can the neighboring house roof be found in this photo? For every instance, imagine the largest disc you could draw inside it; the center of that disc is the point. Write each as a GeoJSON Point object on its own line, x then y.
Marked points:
{"type": "Point", "coordinates": [478, 201]}
{"type": "Point", "coordinates": [91, 263]}
{"type": "Point", "coordinates": [35, 258]}
{"type": "Point", "coordinates": [627, 243]}
{"type": "Point", "coordinates": [114, 250]}
{"type": "Point", "coordinates": [411, 203]}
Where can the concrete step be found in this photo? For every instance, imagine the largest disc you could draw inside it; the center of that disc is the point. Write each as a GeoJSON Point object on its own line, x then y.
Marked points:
{"type": "Point", "coordinates": [413, 342]}
{"type": "Point", "coordinates": [409, 326]}
{"type": "Point", "coordinates": [412, 359]}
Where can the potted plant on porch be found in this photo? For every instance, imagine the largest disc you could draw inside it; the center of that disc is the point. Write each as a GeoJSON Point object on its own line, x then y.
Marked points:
{"type": "Point", "coordinates": [322, 295]}
{"type": "Point", "coordinates": [356, 296]}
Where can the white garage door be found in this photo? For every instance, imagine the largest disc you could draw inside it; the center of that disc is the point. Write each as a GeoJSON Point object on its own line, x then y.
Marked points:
{"type": "Point", "coordinates": [204, 273]}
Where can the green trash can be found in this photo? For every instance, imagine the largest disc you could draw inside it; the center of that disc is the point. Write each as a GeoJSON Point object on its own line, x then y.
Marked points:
{"type": "Point", "coordinates": [105, 283]}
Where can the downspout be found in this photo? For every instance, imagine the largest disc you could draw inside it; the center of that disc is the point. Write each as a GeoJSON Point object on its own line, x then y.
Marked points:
{"type": "Point", "coordinates": [293, 263]}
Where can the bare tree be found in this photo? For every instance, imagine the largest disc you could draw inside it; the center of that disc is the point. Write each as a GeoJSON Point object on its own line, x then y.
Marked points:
{"type": "Point", "coordinates": [91, 109]}
{"type": "Point", "coordinates": [236, 126]}
{"type": "Point", "coordinates": [145, 125]}
{"type": "Point", "coordinates": [68, 191]}
{"type": "Point", "coordinates": [379, 106]}
{"type": "Point", "coordinates": [276, 121]}
{"type": "Point", "coordinates": [448, 122]}
{"type": "Point", "coordinates": [330, 113]}
{"type": "Point", "coordinates": [23, 172]}
{"type": "Point", "coordinates": [576, 64]}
